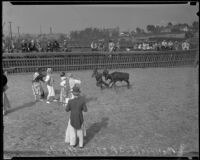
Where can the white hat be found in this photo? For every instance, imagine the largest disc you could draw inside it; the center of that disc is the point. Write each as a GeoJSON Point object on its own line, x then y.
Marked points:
{"type": "Point", "coordinates": [49, 70]}
{"type": "Point", "coordinates": [35, 75]}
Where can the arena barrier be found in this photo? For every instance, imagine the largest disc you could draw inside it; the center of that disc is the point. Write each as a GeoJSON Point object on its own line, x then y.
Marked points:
{"type": "Point", "coordinates": [28, 62]}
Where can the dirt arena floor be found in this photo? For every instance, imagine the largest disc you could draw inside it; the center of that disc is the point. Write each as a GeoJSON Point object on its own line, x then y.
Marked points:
{"type": "Point", "coordinates": [157, 116]}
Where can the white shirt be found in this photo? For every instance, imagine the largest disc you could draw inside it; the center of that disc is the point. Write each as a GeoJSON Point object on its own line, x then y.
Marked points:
{"type": "Point", "coordinates": [72, 82]}
{"type": "Point", "coordinates": [47, 78]}
{"type": "Point", "coordinates": [63, 81]}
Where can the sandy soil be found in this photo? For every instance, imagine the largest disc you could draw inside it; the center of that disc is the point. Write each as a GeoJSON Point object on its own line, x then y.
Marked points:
{"type": "Point", "coordinates": [157, 116]}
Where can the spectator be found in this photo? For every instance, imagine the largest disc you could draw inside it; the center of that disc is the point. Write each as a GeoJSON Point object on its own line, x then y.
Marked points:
{"type": "Point", "coordinates": [30, 46]}
{"type": "Point", "coordinates": [111, 46]}
{"type": "Point", "coordinates": [185, 45]}
{"type": "Point", "coordinates": [144, 46]}
{"type": "Point", "coordinates": [140, 46]}
{"type": "Point", "coordinates": [170, 45]}
{"type": "Point", "coordinates": [147, 46]}
{"type": "Point", "coordinates": [6, 103]}
{"type": "Point", "coordinates": [65, 46]}
{"type": "Point", "coordinates": [38, 46]}
{"type": "Point", "coordinates": [56, 46]}
{"type": "Point", "coordinates": [76, 127]}
{"type": "Point", "coordinates": [3, 46]}
{"type": "Point", "coordinates": [72, 82]}
{"type": "Point", "coordinates": [135, 46]}
{"type": "Point", "coordinates": [176, 45]}
{"type": "Point", "coordinates": [49, 46]}
{"type": "Point", "coordinates": [94, 46]}
{"type": "Point", "coordinates": [164, 45]}
{"type": "Point", "coordinates": [24, 46]}
{"type": "Point", "coordinates": [101, 46]}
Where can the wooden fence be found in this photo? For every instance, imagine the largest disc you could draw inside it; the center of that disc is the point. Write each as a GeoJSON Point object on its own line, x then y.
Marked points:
{"type": "Point", "coordinates": [28, 62]}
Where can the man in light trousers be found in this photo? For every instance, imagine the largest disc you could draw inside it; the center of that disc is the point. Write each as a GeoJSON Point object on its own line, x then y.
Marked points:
{"type": "Point", "coordinates": [76, 126]}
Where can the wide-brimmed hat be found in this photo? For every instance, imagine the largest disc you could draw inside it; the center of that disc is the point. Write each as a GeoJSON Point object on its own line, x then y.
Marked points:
{"type": "Point", "coordinates": [49, 70]}
{"type": "Point", "coordinates": [36, 74]}
{"type": "Point", "coordinates": [62, 74]}
{"type": "Point", "coordinates": [76, 90]}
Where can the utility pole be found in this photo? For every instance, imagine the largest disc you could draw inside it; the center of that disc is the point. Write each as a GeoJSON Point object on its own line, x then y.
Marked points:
{"type": "Point", "coordinates": [18, 40]}
{"type": "Point", "coordinates": [40, 30]}
{"type": "Point", "coordinates": [50, 30]}
{"type": "Point", "coordinates": [10, 30]}
{"type": "Point", "coordinates": [18, 31]}
{"type": "Point", "coordinates": [10, 34]}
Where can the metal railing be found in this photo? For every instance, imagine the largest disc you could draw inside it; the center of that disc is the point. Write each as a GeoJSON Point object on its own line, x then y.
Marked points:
{"type": "Point", "coordinates": [28, 62]}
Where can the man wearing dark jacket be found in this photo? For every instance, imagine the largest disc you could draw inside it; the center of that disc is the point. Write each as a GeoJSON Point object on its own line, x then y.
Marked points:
{"type": "Point", "coordinates": [76, 126]}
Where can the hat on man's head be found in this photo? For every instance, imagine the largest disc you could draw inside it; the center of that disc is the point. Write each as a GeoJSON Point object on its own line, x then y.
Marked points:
{"type": "Point", "coordinates": [36, 74]}
{"type": "Point", "coordinates": [49, 70]}
{"type": "Point", "coordinates": [62, 74]}
{"type": "Point", "coordinates": [76, 90]}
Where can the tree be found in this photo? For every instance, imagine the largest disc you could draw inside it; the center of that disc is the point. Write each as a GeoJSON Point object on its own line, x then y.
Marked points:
{"type": "Point", "coordinates": [151, 28]}
{"type": "Point", "coordinates": [157, 29]}
{"type": "Point", "coordinates": [195, 26]}
{"type": "Point", "coordinates": [189, 35]}
{"type": "Point", "coordinates": [133, 33]}
{"type": "Point", "coordinates": [170, 24]}
{"type": "Point", "coordinates": [139, 30]}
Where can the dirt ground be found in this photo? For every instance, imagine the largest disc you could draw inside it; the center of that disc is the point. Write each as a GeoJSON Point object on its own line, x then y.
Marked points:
{"type": "Point", "coordinates": [157, 116]}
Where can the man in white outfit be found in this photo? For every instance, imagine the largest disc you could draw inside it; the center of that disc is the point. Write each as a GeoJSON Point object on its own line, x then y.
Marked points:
{"type": "Point", "coordinates": [72, 83]}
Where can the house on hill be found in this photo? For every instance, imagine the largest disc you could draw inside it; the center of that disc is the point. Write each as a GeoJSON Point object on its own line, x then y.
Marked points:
{"type": "Point", "coordinates": [184, 28]}
{"type": "Point", "coordinates": [161, 36]}
{"type": "Point", "coordinates": [166, 29]}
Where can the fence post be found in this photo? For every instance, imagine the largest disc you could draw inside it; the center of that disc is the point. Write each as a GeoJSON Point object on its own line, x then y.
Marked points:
{"type": "Point", "coordinates": [196, 62]}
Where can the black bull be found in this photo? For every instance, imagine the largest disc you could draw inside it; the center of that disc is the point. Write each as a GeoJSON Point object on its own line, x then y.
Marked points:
{"type": "Point", "coordinates": [116, 76]}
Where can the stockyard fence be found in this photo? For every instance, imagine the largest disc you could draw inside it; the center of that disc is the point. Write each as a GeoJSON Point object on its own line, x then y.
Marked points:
{"type": "Point", "coordinates": [28, 62]}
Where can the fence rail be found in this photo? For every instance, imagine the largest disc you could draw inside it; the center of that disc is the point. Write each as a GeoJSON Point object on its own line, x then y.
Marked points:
{"type": "Point", "coordinates": [28, 62]}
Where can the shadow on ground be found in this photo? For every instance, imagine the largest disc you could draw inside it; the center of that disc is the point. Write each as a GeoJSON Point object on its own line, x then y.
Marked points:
{"type": "Point", "coordinates": [25, 105]}
{"type": "Point", "coordinates": [88, 99]}
{"type": "Point", "coordinates": [95, 128]}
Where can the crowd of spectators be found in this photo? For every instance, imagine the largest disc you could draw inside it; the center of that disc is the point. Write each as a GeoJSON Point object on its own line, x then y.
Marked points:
{"type": "Point", "coordinates": [141, 46]}
{"type": "Point", "coordinates": [100, 45]}
{"type": "Point", "coordinates": [36, 46]}
{"type": "Point", "coordinates": [162, 45]}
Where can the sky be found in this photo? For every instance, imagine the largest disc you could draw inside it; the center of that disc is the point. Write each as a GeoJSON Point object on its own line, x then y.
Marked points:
{"type": "Point", "coordinates": [65, 18]}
